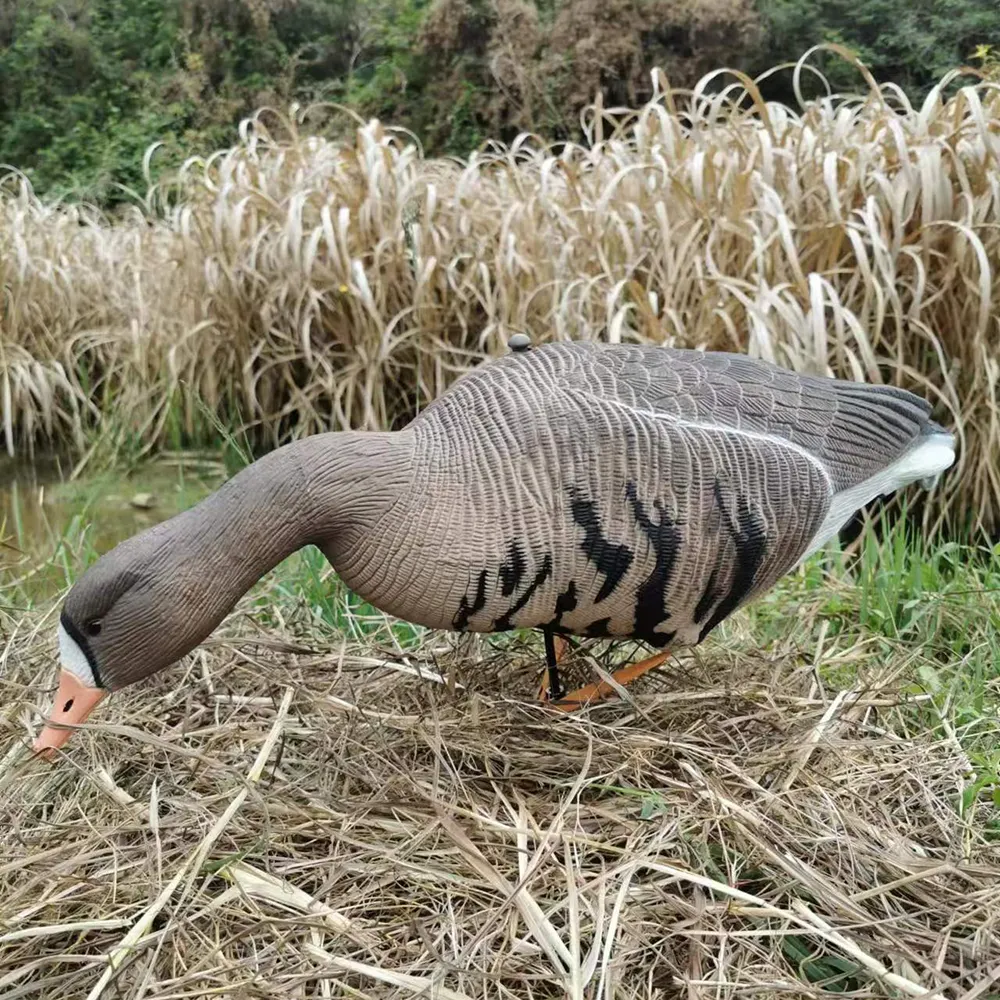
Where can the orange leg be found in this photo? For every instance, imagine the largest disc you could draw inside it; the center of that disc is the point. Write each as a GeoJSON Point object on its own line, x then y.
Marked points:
{"type": "Point", "coordinates": [595, 692]}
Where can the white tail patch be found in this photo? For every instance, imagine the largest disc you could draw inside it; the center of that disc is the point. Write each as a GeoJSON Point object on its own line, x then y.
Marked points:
{"type": "Point", "coordinates": [924, 462]}
{"type": "Point", "coordinates": [73, 659]}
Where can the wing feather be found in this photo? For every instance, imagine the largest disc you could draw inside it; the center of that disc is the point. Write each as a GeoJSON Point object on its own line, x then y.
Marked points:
{"type": "Point", "coordinates": [854, 430]}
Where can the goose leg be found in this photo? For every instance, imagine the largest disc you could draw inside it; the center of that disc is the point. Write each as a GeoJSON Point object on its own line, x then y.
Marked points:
{"type": "Point", "coordinates": [595, 692]}
{"type": "Point", "coordinates": [555, 650]}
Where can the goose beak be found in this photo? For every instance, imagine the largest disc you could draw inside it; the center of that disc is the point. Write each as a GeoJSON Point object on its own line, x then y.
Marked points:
{"type": "Point", "coordinates": [74, 703]}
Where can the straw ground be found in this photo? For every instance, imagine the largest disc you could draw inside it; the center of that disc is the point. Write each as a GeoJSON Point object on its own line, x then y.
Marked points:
{"type": "Point", "coordinates": [297, 284]}
{"type": "Point", "coordinates": [322, 802]}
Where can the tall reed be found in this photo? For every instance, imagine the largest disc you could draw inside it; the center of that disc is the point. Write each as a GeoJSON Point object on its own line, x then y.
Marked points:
{"type": "Point", "coordinates": [292, 284]}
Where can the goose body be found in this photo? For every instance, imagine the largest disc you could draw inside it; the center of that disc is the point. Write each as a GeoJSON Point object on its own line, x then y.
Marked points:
{"type": "Point", "coordinates": [632, 491]}
{"type": "Point", "coordinates": [580, 488]}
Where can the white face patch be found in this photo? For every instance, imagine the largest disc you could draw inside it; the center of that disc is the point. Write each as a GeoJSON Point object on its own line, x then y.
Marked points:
{"type": "Point", "coordinates": [72, 658]}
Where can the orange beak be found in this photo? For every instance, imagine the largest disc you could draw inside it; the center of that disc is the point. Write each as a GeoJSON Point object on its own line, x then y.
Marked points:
{"type": "Point", "coordinates": [74, 702]}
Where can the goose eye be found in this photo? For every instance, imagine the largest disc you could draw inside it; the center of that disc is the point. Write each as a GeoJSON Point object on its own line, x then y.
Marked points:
{"type": "Point", "coordinates": [93, 627]}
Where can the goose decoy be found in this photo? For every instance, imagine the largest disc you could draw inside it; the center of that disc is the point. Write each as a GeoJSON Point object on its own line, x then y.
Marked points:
{"type": "Point", "coordinates": [581, 489]}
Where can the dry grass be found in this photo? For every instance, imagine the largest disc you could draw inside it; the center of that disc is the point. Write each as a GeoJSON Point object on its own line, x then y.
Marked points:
{"type": "Point", "coordinates": [299, 284]}
{"type": "Point", "coordinates": [272, 822]}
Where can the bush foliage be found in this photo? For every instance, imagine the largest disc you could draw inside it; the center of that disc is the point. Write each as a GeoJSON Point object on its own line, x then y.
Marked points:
{"type": "Point", "coordinates": [87, 85]}
{"type": "Point", "coordinates": [912, 43]}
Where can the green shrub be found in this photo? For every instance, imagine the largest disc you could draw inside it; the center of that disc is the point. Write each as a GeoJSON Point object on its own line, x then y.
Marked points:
{"type": "Point", "coordinates": [912, 43]}
{"type": "Point", "coordinates": [86, 87]}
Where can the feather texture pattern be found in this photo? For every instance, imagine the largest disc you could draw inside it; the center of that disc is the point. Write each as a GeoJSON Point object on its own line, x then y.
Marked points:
{"type": "Point", "coordinates": [619, 490]}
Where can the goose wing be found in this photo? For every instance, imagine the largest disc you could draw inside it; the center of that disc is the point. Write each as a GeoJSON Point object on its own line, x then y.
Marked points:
{"type": "Point", "coordinates": [761, 464]}
{"type": "Point", "coordinates": [855, 431]}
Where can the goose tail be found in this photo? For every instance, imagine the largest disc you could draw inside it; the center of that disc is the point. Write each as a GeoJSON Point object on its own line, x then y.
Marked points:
{"type": "Point", "coordinates": [931, 454]}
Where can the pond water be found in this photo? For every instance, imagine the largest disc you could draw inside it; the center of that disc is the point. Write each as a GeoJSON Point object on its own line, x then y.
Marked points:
{"type": "Point", "coordinates": [50, 524]}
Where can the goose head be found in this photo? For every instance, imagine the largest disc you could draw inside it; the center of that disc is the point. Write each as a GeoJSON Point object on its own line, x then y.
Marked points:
{"type": "Point", "coordinates": [154, 597]}
{"type": "Point", "coordinates": [140, 608]}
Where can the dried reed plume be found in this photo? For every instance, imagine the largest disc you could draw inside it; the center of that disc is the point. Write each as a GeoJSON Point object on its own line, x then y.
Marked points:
{"type": "Point", "coordinates": [297, 284]}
